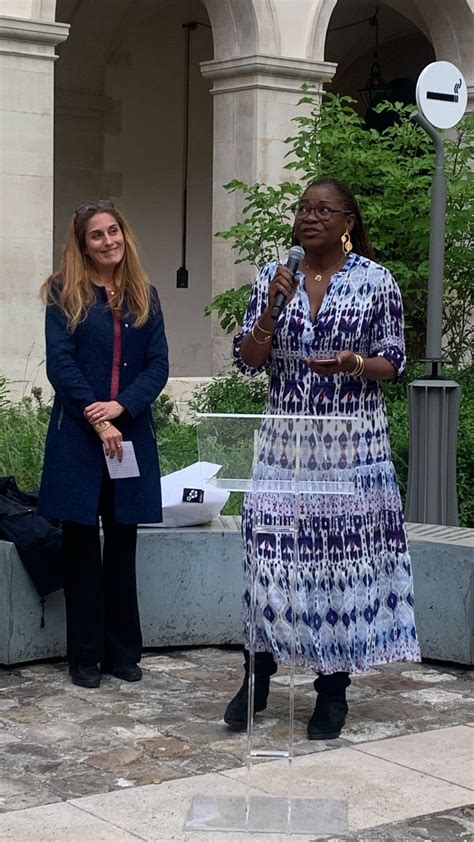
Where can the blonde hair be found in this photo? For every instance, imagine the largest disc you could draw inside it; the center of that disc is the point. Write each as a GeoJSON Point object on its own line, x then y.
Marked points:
{"type": "Point", "coordinates": [71, 288]}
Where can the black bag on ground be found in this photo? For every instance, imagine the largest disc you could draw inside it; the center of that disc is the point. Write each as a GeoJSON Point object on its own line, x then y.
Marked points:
{"type": "Point", "coordinates": [38, 541]}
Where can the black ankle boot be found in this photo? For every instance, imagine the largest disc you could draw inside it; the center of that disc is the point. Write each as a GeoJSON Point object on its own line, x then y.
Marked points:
{"type": "Point", "coordinates": [331, 706]}
{"type": "Point", "coordinates": [237, 709]}
{"type": "Point", "coordinates": [86, 676]}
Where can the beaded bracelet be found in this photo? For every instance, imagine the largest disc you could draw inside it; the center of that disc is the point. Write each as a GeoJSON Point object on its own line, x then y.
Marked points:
{"type": "Point", "coordinates": [359, 366]}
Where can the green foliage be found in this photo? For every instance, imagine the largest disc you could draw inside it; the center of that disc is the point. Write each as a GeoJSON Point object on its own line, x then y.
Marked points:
{"type": "Point", "coordinates": [163, 411]}
{"type": "Point", "coordinates": [230, 306]}
{"type": "Point", "coordinates": [23, 427]}
{"type": "Point", "coordinates": [233, 393]}
{"type": "Point", "coordinates": [266, 225]}
{"type": "Point", "coordinates": [465, 449]}
{"type": "Point", "coordinates": [177, 442]}
{"type": "Point", "coordinates": [390, 173]}
{"type": "Point", "coordinates": [177, 447]}
{"type": "Point", "coordinates": [230, 394]}
{"type": "Point", "coordinates": [397, 412]}
{"type": "Point", "coordinates": [459, 255]}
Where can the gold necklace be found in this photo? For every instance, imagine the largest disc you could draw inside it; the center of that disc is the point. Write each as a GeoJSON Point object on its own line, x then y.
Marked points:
{"type": "Point", "coordinates": [319, 275]}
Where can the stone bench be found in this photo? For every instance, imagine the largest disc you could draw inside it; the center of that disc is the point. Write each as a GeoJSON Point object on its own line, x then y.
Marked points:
{"type": "Point", "coordinates": [189, 588]}
{"type": "Point", "coordinates": [190, 584]}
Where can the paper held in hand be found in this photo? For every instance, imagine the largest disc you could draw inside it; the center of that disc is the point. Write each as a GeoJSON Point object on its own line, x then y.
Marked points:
{"type": "Point", "coordinates": [128, 467]}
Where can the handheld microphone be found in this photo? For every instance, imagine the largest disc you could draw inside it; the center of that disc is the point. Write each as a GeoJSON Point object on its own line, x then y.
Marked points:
{"type": "Point", "coordinates": [295, 256]}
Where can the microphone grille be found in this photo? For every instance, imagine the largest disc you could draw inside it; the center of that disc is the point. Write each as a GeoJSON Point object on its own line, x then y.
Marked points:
{"type": "Point", "coordinates": [296, 253]}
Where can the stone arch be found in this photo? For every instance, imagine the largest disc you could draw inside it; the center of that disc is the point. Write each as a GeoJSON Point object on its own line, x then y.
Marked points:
{"type": "Point", "coordinates": [269, 28]}
{"type": "Point", "coordinates": [450, 26]}
{"type": "Point", "coordinates": [234, 27]}
{"type": "Point", "coordinates": [317, 39]}
{"type": "Point", "coordinates": [446, 26]}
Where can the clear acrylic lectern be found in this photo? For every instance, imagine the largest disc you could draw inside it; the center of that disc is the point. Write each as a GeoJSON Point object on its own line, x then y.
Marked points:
{"type": "Point", "coordinates": [276, 460]}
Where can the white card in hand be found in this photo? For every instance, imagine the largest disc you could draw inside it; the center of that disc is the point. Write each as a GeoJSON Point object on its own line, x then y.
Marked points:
{"type": "Point", "coordinates": [128, 467]}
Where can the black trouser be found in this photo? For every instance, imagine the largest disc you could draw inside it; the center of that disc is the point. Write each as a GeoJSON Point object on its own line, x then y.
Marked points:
{"type": "Point", "coordinates": [103, 622]}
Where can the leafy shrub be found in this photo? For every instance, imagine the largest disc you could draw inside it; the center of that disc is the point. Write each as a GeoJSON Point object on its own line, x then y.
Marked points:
{"type": "Point", "coordinates": [390, 173]}
{"type": "Point", "coordinates": [23, 427]}
{"type": "Point", "coordinates": [397, 411]}
{"type": "Point", "coordinates": [177, 447]}
{"type": "Point", "coordinates": [465, 451]}
{"type": "Point", "coordinates": [163, 411]}
{"type": "Point", "coordinates": [233, 393]}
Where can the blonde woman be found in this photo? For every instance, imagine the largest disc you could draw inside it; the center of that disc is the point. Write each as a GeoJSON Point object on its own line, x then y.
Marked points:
{"type": "Point", "coordinates": [107, 360]}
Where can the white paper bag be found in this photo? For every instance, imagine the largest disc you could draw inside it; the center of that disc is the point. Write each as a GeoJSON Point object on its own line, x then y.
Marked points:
{"type": "Point", "coordinates": [185, 483]}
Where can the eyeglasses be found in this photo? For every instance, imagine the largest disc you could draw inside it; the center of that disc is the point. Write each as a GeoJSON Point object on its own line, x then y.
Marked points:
{"type": "Point", "coordinates": [322, 212]}
{"type": "Point", "coordinates": [100, 205]}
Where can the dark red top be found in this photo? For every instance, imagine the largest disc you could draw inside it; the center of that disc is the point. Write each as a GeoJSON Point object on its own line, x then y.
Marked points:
{"type": "Point", "coordinates": [117, 352]}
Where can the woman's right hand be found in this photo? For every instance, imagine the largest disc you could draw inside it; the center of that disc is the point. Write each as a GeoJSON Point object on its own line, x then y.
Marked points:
{"type": "Point", "coordinates": [112, 441]}
{"type": "Point", "coordinates": [283, 281]}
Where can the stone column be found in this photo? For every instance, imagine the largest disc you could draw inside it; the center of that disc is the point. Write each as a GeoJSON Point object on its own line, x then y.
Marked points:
{"type": "Point", "coordinates": [26, 189]}
{"type": "Point", "coordinates": [255, 99]}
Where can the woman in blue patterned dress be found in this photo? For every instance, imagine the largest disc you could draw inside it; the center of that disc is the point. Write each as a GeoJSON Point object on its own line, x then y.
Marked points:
{"type": "Point", "coordinates": [339, 335]}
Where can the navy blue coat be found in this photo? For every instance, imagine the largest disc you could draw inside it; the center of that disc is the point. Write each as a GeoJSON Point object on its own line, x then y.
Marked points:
{"type": "Point", "coordinates": [79, 367]}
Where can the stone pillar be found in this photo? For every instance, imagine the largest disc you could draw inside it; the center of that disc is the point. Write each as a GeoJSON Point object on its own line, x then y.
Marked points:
{"type": "Point", "coordinates": [26, 189]}
{"type": "Point", "coordinates": [255, 99]}
{"type": "Point", "coordinates": [80, 121]}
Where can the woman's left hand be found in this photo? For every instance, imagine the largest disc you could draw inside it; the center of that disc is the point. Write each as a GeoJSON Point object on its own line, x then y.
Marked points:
{"type": "Point", "coordinates": [103, 411]}
{"type": "Point", "coordinates": [344, 361]}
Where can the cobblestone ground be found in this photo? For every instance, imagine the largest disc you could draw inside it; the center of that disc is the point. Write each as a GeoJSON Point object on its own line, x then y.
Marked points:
{"type": "Point", "coordinates": [58, 741]}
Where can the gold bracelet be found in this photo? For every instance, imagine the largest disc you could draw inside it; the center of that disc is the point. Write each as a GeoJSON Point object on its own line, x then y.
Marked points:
{"type": "Point", "coordinates": [266, 332]}
{"type": "Point", "coordinates": [101, 426]}
{"type": "Point", "coordinates": [260, 341]}
{"type": "Point", "coordinates": [359, 366]}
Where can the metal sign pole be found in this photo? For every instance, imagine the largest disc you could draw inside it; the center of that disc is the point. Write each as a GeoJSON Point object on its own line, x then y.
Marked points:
{"type": "Point", "coordinates": [434, 402]}
{"type": "Point", "coordinates": [434, 318]}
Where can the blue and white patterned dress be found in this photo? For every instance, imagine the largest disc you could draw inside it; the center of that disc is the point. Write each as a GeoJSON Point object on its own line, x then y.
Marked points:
{"type": "Point", "coordinates": [354, 604]}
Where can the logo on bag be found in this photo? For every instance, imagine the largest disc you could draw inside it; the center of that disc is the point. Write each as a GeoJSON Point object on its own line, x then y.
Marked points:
{"type": "Point", "coordinates": [193, 495]}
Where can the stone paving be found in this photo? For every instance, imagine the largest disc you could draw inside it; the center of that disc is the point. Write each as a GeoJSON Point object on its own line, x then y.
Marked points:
{"type": "Point", "coordinates": [60, 742]}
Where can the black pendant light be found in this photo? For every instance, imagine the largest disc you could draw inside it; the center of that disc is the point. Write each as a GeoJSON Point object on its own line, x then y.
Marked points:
{"type": "Point", "coordinates": [375, 89]}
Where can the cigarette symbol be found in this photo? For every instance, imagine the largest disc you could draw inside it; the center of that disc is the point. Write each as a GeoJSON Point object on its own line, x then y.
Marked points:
{"type": "Point", "coordinates": [441, 97]}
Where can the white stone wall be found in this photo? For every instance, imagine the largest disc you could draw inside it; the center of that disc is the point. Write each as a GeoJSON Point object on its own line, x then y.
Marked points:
{"type": "Point", "coordinates": [26, 189]}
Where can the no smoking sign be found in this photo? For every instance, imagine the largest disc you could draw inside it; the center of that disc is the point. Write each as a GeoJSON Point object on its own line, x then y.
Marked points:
{"type": "Point", "coordinates": [441, 94]}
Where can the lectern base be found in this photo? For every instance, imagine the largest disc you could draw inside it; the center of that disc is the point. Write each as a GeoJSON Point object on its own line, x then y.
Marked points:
{"type": "Point", "coordinates": [267, 814]}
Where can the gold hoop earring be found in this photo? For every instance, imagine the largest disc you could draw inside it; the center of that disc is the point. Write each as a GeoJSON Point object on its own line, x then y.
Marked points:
{"type": "Point", "coordinates": [346, 243]}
